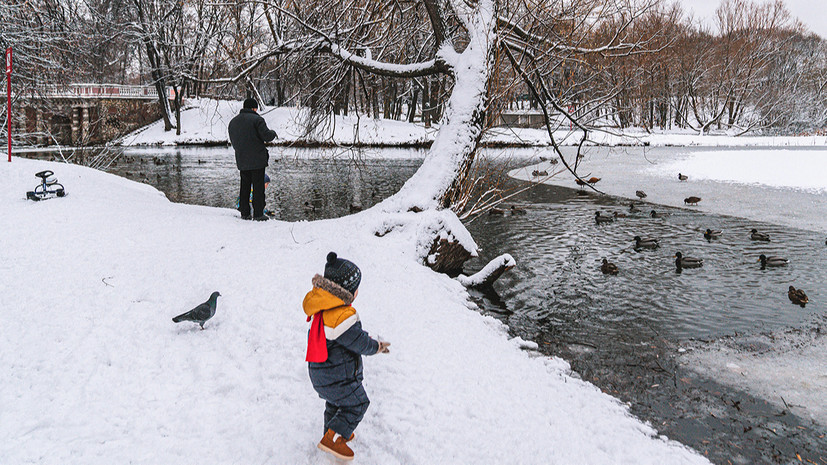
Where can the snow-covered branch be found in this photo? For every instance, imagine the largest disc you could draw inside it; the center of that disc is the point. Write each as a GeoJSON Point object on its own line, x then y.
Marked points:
{"type": "Point", "coordinates": [490, 273]}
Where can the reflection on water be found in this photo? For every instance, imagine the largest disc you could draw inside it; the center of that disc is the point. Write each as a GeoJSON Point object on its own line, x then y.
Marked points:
{"type": "Point", "coordinates": [306, 184]}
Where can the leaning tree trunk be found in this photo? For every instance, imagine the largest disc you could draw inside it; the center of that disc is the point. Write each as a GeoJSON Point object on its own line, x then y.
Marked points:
{"type": "Point", "coordinates": [437, 184]}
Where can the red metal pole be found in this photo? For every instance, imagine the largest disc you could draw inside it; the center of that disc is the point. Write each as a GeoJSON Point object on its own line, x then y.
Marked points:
{"type": "Point", "coordinates": [8, 97]}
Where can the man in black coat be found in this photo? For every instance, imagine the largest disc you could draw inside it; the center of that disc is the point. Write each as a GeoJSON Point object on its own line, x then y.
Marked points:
{"type": "Point", "coordinates": [248, 133]}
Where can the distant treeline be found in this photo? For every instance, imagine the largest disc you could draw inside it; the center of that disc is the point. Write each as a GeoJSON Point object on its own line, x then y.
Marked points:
{"type": "Point", "coordinates": [755, 68]}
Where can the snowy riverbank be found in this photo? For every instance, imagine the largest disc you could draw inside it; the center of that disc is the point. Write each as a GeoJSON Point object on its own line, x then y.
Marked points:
{"type": "Point", "coordinates": [204, 122]}
{"type": "Point", "coordinates": [96, 372]}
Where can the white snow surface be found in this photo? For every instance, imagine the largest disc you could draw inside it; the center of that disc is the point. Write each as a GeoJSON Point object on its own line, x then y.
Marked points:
{"type": "Point", "coordinates": [798, 169]}
{"type": "Point", "coordinates": [204, 121]}
{"type": "Point", "coordinates": [480, 276]}
{"type": "Point", "coordinates": [95, 372]}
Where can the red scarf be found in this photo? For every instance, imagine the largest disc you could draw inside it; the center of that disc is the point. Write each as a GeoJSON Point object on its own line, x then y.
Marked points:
{"type": "Point", "coordinates": [316, 340]}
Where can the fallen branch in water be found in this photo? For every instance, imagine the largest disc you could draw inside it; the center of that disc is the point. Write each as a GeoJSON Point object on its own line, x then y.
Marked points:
{"type": "Point", "coordinates": [490, 273]}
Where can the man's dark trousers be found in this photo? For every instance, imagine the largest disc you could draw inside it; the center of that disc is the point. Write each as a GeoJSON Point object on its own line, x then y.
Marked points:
{"type": "Point", "coordinates": [254, 179]}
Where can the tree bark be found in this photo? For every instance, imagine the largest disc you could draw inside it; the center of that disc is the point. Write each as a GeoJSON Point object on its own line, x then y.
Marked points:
{"type": "Point", "coordinates": [438, 182]}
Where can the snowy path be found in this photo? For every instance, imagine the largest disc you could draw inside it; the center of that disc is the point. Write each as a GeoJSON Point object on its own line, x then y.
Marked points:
{"type": "Point", "coordinates": [96, 373]}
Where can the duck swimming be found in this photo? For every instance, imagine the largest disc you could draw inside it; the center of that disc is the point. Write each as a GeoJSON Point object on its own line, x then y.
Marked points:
{"type": "Point", "coordinates": [633, 208]}
{"type": "Point", "coordinates": [602, 219]}
{"type": "Point", "coordinates": [687, 262]}
{"type": "Point", "coordinates": [797, 296]}
{"type": "Point", "coordinates": [647, 243]}
{"type": "Point", "coordinates": [758, 236]}
{"type": "Point", "coordinates": [710, 234]}
{"type": "Point", "coordinates": [655, 214]}
{"type": "Point", "coordinates": [772, 261]}
{"type": "Point", "coordinates": [608, 267]}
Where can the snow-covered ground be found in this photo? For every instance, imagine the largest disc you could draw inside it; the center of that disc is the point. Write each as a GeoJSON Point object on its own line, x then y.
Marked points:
{"type": "Point", "coordinates": [96, 373]}
{"type": "Point", "coordinates": [205, 122]}
{"type": "Point", "coordinates": [785, 187]}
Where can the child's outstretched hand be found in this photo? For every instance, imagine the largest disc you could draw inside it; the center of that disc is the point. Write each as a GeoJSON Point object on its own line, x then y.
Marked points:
{"type": "Point", "coordinates": [383, 347]}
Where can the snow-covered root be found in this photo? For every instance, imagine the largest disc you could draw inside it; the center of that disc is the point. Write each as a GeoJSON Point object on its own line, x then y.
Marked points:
{"type": "Point", "coordinates": [440, 239]}
{"type": "Point", "coordinates": [490, 273]}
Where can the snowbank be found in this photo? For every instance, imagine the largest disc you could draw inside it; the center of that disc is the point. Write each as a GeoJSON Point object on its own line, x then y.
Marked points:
{"type": "Point", "coordinates": [96, 373]}
{"type": "Point", "coordinates": [204, 121]}
{"type": "Point", "coordinates": [799, 169]}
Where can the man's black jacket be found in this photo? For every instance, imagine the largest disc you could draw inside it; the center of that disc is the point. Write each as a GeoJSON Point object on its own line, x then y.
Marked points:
{"type": "Point", "coordinates": [248, 133]}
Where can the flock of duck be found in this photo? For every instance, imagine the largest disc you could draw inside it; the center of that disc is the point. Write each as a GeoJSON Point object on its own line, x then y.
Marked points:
{"type": "Point", "coordinates": [796, 296]}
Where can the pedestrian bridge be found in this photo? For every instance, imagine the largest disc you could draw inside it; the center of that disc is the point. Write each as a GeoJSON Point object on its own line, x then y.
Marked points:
{"type": "Point", "coordinates": [83, 113]}
{"type": "Point", "coordinates": [94, 91]}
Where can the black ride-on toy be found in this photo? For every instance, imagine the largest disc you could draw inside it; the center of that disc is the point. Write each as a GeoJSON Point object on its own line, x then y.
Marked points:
{"type": "Point", "coordinates": [48, 188]}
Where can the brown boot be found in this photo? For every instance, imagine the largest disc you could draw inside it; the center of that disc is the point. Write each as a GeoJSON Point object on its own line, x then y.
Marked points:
{"type": "Point", "coordinates": [338, 447]}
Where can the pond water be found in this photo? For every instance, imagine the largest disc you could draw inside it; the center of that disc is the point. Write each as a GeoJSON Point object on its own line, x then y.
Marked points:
{"type": "Point", "coordinates": [620, 332]}
{"type": "Point", "coordinates": [329, 180]}
{"type": "Point", "coordinates": [558, 285]}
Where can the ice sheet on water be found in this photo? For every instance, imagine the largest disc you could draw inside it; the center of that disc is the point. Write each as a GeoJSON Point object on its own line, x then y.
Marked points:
{"type": "Point", "coordinates": [786, 369]}
{"type": "Point", "coordinates": [784, 187]}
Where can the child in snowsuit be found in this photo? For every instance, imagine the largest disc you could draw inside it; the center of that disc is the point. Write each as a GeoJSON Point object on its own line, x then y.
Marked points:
{"type": "Point", "coordinates": [266, 185]}
{"type": "Point", "coordinates": [335, 345]}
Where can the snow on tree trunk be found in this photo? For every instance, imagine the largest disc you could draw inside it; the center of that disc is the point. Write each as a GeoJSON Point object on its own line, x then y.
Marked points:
{"type": "Point", "coordinates": [444, 243]}
{"type": "Point", "coordinates": [436, 184]}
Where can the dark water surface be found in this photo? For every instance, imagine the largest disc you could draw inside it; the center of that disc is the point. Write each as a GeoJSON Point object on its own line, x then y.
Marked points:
{"type": "Point", "coordinates": [620, 332]}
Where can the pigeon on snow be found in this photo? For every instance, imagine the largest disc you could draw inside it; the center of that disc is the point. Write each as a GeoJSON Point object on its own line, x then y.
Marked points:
{"type": "Point", "coordinates": [201, 313]}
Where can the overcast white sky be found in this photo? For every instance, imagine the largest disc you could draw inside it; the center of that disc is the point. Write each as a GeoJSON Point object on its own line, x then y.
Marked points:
{"type": "Point", "coordinates": [813, 13]}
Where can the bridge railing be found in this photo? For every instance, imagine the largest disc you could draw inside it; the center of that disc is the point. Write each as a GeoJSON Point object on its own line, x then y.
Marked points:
{"type": "Point", "coordinates": [96, 91]}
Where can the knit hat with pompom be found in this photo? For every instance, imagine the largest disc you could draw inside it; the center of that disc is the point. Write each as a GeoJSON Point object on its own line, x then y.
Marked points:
{"type": "Point", "coordinates": [342, 272]}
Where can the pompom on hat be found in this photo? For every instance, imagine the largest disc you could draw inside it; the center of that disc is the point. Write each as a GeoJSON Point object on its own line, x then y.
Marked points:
{"type": "Point", "coordinates": [342, 272]}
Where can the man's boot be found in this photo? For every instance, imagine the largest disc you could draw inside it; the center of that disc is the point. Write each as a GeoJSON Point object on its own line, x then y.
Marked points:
{"type": "Point", "coordinates": [338, 447]}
